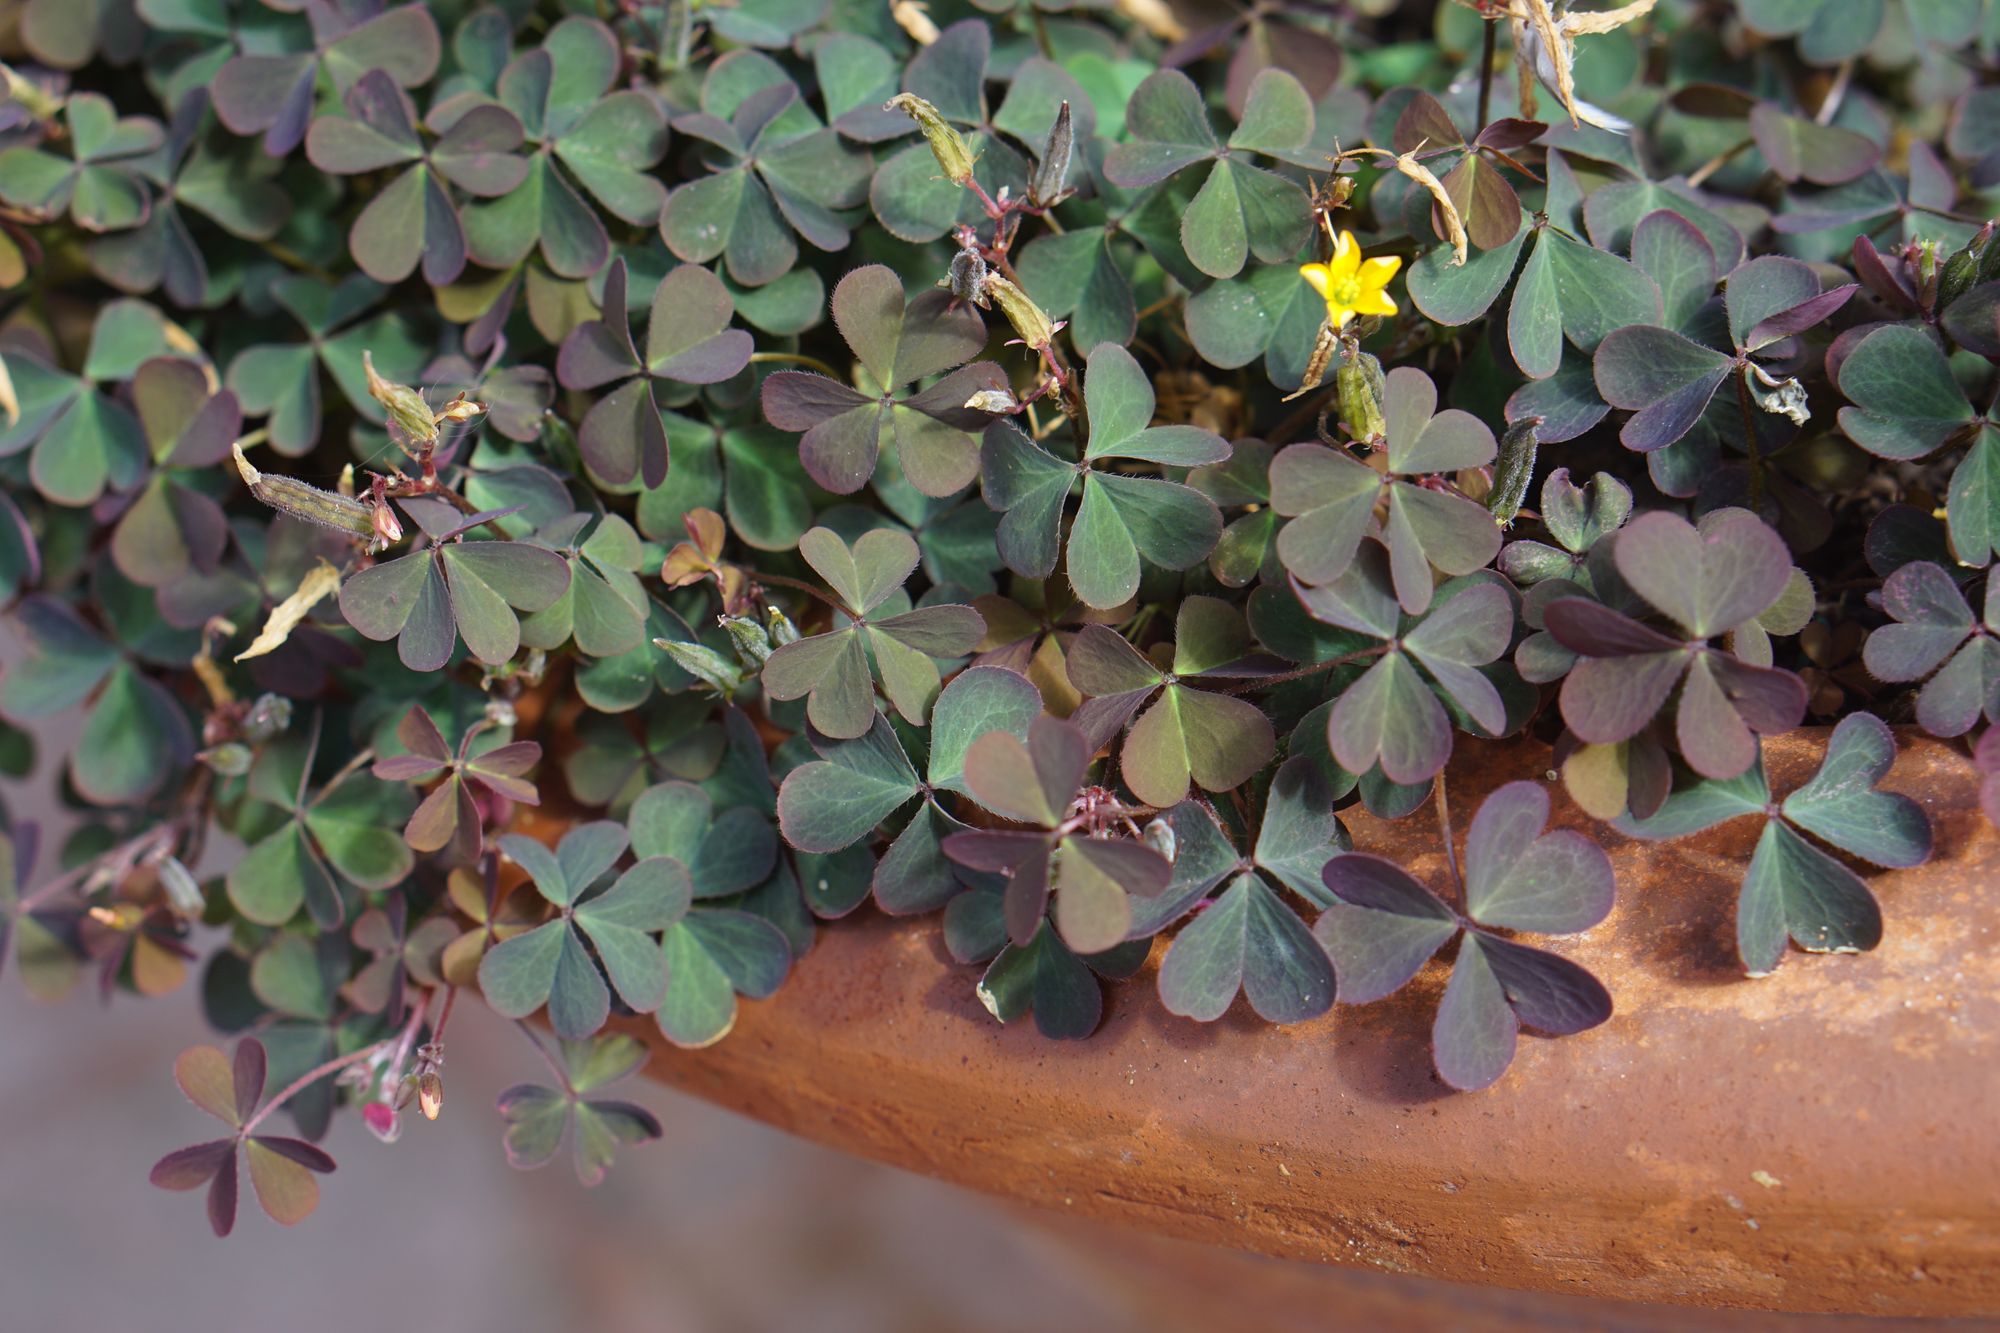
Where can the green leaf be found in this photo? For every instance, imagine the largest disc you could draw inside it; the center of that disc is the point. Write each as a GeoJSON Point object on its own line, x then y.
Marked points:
{"type": "Point", "coordinates": [711, 956]}
{"type": "Point", "coordinates": [1793, 890]}
{"type": "Point", "coordinates": [1906, 401]}
{"type": "Point", "coordinates": [855, 785]}
{"type": "Point", "coordinates": [1247, 939]}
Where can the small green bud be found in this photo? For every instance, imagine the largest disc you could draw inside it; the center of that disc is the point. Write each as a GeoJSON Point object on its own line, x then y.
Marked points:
{"type": "Point", "coordinates": [407, 410]}
{"type": "Point", "coordinates": [953, 157]}
{"type": "Point", "coordinates": [1359, 384]}
{"type": "Point", "coordinates": [751, 641]}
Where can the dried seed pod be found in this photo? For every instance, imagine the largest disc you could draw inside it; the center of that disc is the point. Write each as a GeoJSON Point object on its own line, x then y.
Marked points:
{"type": "Point", "coordinates": [966, 278]}
{"type": "Point", "coordinates": [408, 412]}
{"type": "Point", "coordinates": [1052, 171]}
{"type": "Point", "coordinates": [953, 157]}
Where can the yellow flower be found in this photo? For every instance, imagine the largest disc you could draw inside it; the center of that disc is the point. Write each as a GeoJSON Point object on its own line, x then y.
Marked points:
{"type": "Point", "coordinates": [1350, 284]}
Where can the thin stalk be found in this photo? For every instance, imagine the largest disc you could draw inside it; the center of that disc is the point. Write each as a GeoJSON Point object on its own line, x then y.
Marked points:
{"type": "Point", "coordinates": [561, 1074]}
{"type": "Point", "coordinates": [1716, 163]}
{"type": "Point", "coordinates": [1265, 682]}
{"type": "Point", "coordinates": [1488, 50]}
{"type": "Point", "coordinates": [1444, 827]}
{"type": "Point", "coordinates": [797, 359]}
{"type": "Point", "coordinates": [1750, 435]}
{"type": "Point", "coordinates": [333, 1066]}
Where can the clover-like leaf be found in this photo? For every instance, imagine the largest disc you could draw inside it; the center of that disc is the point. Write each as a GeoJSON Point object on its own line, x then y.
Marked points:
{"type": "Point", "coordinates": [537, 1117]}
{"type": "Point", "coordinates": [283, 379]}
{"type": "Point", "coordinates": [430, 599]}
{"type": "Point", "coordinates": [173, 526]}
{"type": "Point", "coordinates": [1711, 581]}
{"type": "Point", "coordinates": [349, 828]}
{"type": "Point", "coordinates": [1935, 635]}
{"type": "Point", "coordinates": [587, 137]}
{"type": "Point", "coordinates": [688, 341]}
{"type": "Point", "coordinates": [97, 186]}
{"type": "Point", "coordinates": [273, 94]}
{"type": "Point", "coordinates": [1122, 517]}
{"type": "Point", "coordinates": [449, 817]}
{"type": "Point", "coordinates": [772, 180]}
{"type": "Point", "coordinates": [281, 1169]}
{"type": "Point", "coordinates": [1791, 889]}
{"type": "Point", "coordinates": [552, 964]}
{"type": "Point", "coordinates": [1392, 715]}
{"type": "Point", "coordinates": [1093, 878]}
{"type": "Point", "coordinates": [1386, 925]}
{"type": "Point", "coordinates": [413, 218]}
{"type": "Point", "coordinates": [1178, 731]}
{"type": "Point", "coordinates": [896, 341]}
{"type": "Point", "coordinates": [1240, 210]}
{"type": "Point", "coordinates": [1330, 497]}
{"type": "Point", "coordinates": [832, 670]}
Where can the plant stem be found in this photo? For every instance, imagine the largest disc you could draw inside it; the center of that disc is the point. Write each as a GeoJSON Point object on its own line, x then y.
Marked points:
{"type": "Point", "coordinates": [797, 359]}
{"type": "Point", "coordinates": [1750, 435]}
{"type": "Point", "coordinates": [561, 1074]}
{"type": "Point", "coordinates": [802, 586]}
{"type": "Point", "coordinates": [1716, 163]}
{"type": "Point", "coordinates": [1488, 50]}
{"type": "Point", "coordinates": [1265, 682]}
{"type": "Point", "coordinates": [1444, 827]}
{"type": "Point", "coordinates": [1829, 106]}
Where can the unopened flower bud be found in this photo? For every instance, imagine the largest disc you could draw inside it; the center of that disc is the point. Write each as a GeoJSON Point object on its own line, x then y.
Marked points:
{"type": "Point", "coordinates": [967, 277]}
{"type": "Point", "coordinates": [751, 641]}
{"type": "Point", "coordinates": [408, 412]}
{"type": "Point", "coordinates": [1029, 320]}
{"type": "Point", "coordinates": [385, 526]}
{"type": "Point", "coordinates": [430, 1094]}
{"type": "Point", "coordinates": [462, 408]}
{"type": "Point", "coordinates": [183, 895]}
{"type": "Point", "coordinates": [382, 1121]}
{"type": "Point", "coordinates": [1359, 384]}
{"type": "Point", "coordinates": [229, 760]}
{"type": "Point", "coordinates": [783, 631]}
{"type": "Point", "coordinates": [1052, 171]}
{"type": "Point", "coordinates": [947, 146]}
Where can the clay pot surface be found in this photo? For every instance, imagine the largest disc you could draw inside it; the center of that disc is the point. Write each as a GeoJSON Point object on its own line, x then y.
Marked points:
{"type": "Point", "coordinates": [1824, 1139]}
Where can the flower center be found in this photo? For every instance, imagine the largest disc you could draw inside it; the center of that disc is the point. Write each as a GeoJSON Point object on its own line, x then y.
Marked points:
{"type": "Point", "coordinates": [1347, 293]}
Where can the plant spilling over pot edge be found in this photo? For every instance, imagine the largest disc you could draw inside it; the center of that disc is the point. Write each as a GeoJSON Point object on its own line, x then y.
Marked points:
{"type": "Point", "coordinates": [1032, 464]}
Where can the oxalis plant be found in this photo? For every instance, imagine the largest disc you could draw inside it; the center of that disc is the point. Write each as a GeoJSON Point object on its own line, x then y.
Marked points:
{"type": "Point", "coordinates": [548, 504]}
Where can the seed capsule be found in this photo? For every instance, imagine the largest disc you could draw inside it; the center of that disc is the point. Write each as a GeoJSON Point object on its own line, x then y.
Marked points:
{"type": "Point", "coordinates": [953, 157]}
{"type": "Point", "coordinates": [1052, 171]}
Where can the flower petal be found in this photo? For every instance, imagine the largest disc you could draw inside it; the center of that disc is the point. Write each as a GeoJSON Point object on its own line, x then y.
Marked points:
{"type": "Point", "coordinates": [1346, 258]}
{"type": "Point", "coordinates": [1317, 276]}
{"type": "Point", "coordinates": [1376, 273]}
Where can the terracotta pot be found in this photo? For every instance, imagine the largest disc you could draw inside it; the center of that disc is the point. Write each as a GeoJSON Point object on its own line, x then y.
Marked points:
{"type": "Point", "coordinates": [1825, 1139]}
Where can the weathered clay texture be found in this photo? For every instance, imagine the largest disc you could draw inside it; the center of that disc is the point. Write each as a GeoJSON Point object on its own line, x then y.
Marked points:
{"type": "Point", "coordinates": [1826, 1139]}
